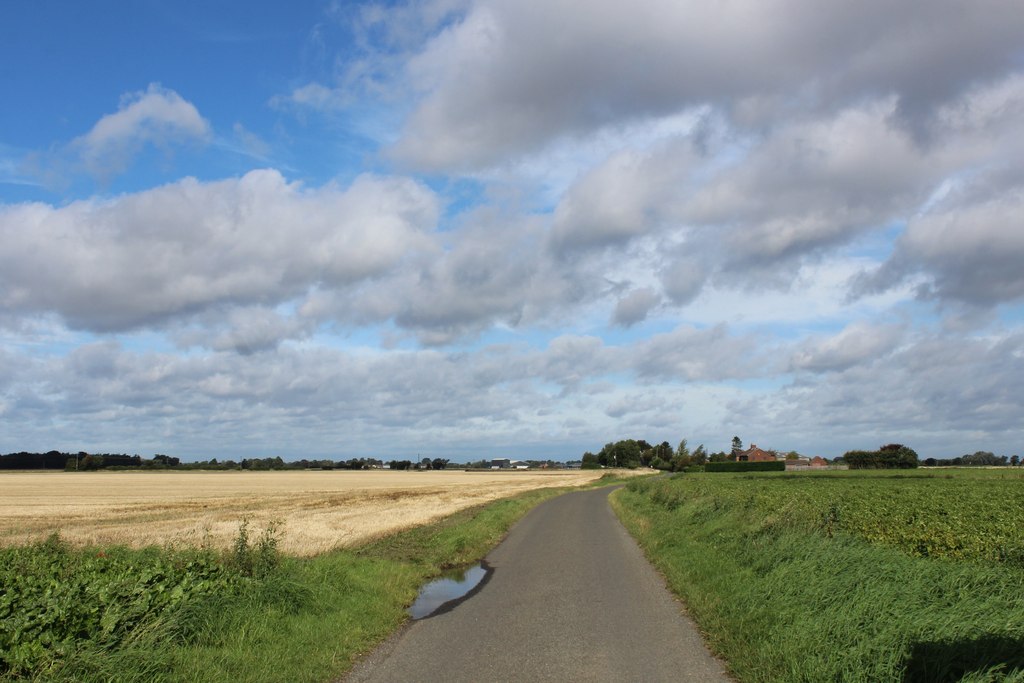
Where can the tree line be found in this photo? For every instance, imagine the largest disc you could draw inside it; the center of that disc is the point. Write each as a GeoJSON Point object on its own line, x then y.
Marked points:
{"type": "Point", "coordinates": [633, 453]}
{"type": "Point", "coordinates": [976, 459]}
{"type": "Point", "coordinates": [82, 461]}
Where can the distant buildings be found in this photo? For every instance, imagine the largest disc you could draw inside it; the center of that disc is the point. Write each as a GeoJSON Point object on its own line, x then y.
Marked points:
{"type": "Point", "coordinates": [755, 454]}
{"type": "Point", "coordinates": [507, 464]}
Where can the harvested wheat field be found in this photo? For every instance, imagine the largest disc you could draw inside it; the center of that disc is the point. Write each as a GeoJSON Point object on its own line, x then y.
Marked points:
{"type": "Point", "coordinates": [318, 510]}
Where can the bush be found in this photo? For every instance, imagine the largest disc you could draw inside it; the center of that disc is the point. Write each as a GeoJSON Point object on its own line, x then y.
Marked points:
{"type": "Point", "coordinates": [768, 466]}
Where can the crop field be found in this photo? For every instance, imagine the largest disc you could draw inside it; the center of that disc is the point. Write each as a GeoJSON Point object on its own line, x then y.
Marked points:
{"type": "Point", "coordinates": [859, 576]}
{"type": "Point", "coordinates": [958, 514]}
{"type": "Point", "coordinates": [316, 510]}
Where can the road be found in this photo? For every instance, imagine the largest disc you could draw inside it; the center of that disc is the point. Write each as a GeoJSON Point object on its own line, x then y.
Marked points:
{"type": "Point", "coordinates": [572, 598]}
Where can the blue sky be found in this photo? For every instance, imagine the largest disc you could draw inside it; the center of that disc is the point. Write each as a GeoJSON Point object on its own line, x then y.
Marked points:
{"type": "Point", "coordinates": [471, 228]}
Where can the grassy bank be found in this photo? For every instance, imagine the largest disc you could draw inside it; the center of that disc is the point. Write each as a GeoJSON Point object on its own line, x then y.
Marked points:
{"type": "Point", "coordinates": [807, 578]}
{"type": "Point", "coordinates": [115, 614]}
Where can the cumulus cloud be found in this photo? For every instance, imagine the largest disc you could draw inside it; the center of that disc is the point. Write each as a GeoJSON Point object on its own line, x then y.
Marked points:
{"type": "Point", "coordinates": [692, 354]}
{"type": "Point", "coordinates": [512, 76]}
{"type": "Point", "coordinates": [965, 250]}
{"type": "Point", "coordinates": [633, 307]}
{"type": "Point", "coordinates": [935, 392]}
{"type": "Point", "coordinates": [859, 343]}
{"type": "Point", "coordinates": [156, 116]}
{"type": "Point", "coordinates": [183, 248]}
{"type": "Point", "coordinates": [970, 253]}
{"type": "Point", "coordinates": [490, 271]}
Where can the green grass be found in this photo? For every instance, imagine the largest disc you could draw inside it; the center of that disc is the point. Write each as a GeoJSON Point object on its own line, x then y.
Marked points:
{"type": "Point", "coordinates": [251, 616]}
{"type": "Point", "coordinates": [786, 590]}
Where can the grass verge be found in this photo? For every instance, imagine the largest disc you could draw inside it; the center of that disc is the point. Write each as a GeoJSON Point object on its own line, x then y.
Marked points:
{"type": "Point", "coordinates": [800, 602]}
{"type": "Point", "coordinates": [252, 616]}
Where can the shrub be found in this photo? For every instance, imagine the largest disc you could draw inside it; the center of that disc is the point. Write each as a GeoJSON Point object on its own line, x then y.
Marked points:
{"type": "Point", "coordinates": [730, 466]}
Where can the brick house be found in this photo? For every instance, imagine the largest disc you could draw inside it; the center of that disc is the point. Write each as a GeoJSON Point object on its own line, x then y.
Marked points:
{"type": "Point", "coordinates": [755, 454]}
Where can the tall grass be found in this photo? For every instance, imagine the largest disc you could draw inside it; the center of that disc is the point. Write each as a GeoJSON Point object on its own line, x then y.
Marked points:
{"type": "Point", "coordinates": [798, 602]}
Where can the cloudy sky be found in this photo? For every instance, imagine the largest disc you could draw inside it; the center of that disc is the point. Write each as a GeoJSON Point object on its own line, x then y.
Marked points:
{"type": "Point", "coordinates": [474, 228]}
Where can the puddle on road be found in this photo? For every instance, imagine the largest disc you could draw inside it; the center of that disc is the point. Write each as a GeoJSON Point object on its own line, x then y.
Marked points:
{"type": "Point", "coordinates": [441, 595]}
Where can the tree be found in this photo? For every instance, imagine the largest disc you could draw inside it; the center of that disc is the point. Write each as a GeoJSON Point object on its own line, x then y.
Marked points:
{"type": "Point", "coordinates": [682, 458]}
{"type": "Point", "coordinates": [890, 456]}
{"type": "Point", "coordinates": [700, 456]}
{"type": "Point", "coordinates": [905, 456]}
{"type": "Point", "coordinates": [625, 453]}
{"type": "Point", "coordinates": [982, 459]}
{"type": "Point", "coordinates": [659, 464]}
{"type": "Point", "coordinates": [438, 463]}
{"type": "Point", "coordinates": [1014, 460]}
{"type": "Point", "coordinates": [590, 462]}
{"type": "Point", "coordinates": [737, 445]}
{"type": "Point", "coordinates": [91, 462]}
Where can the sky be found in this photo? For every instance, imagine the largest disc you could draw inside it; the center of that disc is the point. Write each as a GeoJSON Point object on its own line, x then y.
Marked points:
{"type": "Point", "coordinates": [510, 228]}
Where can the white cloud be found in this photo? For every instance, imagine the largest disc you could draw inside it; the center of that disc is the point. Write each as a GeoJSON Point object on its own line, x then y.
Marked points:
{"type": "Point", "coordinates": [315, 96]}
{"type": "Point", "coordinates": [860, 343]}
{"type": "Point", "coordinates": [510, 77]}
{"type": "Point", "coordinates": [188, 247]}
{"type": "Point", "coordinates": [157, 116]}
{"type": "Point", "coordinates": [969, 252]}
{"type": "Point", "coordinates": [635, 306]}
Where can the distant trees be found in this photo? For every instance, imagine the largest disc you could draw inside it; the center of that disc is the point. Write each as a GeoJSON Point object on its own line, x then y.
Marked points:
{"type": "Point", "coordinates": [95, 461]}
{"type": "Point", "coordinates": [976, 459]}
{"type": "Point", "coordinates": [890, 456]}
{"type": "Point", "coordinates": [983, 459]}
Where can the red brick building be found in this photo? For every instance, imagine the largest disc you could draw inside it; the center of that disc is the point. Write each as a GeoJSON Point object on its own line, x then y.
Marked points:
{"type": "Point", "coordinates": [755, 454]}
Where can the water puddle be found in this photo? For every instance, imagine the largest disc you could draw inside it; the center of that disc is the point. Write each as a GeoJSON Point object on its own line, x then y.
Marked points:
{"type": "Point", "coordinates": [442, 595]}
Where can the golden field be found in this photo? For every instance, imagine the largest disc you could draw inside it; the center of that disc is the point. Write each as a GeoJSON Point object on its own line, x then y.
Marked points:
{"type": "Point", "coordinates": [318, 510]}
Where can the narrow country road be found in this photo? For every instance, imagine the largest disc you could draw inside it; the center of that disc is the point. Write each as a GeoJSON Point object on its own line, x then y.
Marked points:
{"type": "Point", "coordinates": [572, 598]}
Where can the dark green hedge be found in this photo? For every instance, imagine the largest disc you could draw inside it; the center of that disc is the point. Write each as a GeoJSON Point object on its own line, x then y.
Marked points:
{"type": "Point", "coordinates": [769, 466]}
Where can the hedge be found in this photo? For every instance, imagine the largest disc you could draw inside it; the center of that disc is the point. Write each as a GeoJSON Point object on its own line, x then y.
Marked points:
{"type": "Point", "coordinates": [763, 466]}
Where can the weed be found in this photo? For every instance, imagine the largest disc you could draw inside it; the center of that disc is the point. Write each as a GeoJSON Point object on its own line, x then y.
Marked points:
{"type": "Point", "coordinates": [256, 558]}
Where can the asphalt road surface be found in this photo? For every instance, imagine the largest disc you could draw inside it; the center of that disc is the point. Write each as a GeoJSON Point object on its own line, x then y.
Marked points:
{"type": "Point", "coordinates": [572, 598]}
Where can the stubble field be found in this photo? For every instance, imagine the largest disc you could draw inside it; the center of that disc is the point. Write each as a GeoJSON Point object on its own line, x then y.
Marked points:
{"type": "Point", "coordinates": [317, 510]}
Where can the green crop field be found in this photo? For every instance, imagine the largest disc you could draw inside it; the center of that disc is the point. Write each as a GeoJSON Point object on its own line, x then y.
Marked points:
{"type": "Point", "coordinates": [962, 514]}
{"type": "Point", "coordinates": [859, 576]}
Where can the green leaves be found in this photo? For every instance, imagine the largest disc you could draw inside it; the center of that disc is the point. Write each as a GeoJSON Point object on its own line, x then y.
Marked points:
{"type": "Point", "coordinates": [973, 516]}
{"type": "Point", "coordinates": [55, 600]}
